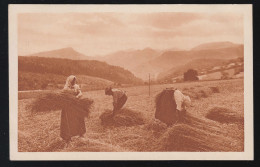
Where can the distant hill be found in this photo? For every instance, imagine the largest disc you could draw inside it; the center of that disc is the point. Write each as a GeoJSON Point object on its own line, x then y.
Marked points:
{"type": "Point", "coordinates": [66, 67]}
{"type": "Point", "coordinates": [197, 64]}
{"type": "Point", "coordinates": [134, 60]}
{"type": "Point", "coordinates": [157, 63]}
{"type": "Point", "coordinates": [40, 81]}
{"type": "Point", "coordinates": [215, 45]}
{"type": "Point", "coordinates": [174, 59]}
{"type": "Point", "coordinates": [143, 62]}
{"type": "Point", "coordinates": [64, 53]}
{"type": "Point", "coordinates": [129, 59]}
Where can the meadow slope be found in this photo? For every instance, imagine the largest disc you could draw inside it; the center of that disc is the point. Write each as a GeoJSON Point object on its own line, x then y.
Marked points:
{"type": "Point", "coordinates": [39, 132]}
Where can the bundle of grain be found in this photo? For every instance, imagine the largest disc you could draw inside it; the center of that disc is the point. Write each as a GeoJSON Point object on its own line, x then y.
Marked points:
{"type": "Point", "coordinates": [60, 100]}
{"type": "Point", "coordinates": [194, 135]}
{"type": "Point", "coordinates": [224, 115]}
{"type": "Point", "coordinates": [124, 117]}
{"type": "Point", "coordinates": [166, 107]}
{"type": "Point", "coordinates": [182, 137]}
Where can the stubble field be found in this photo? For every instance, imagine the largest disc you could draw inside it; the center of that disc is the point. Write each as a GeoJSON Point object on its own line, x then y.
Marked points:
{"type": "Point", "coordinates": [214, 122]}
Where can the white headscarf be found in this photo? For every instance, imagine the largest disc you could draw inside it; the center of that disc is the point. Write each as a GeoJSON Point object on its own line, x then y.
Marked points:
{"type": "Point", "coordinates": [69, 80]}
{"type": "Point", "coordinates": [187, 101]}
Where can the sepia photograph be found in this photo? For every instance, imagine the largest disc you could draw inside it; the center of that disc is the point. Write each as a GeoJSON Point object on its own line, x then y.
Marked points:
{"type": "Point", "coordinates": [130, 82]}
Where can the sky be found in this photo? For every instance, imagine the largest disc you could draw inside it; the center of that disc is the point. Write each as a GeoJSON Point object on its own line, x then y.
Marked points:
{"type": "Point", "coordinates": [102, 33]}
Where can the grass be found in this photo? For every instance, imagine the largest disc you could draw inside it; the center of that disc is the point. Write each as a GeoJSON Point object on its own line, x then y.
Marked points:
{"type": "Point", "coordinates": [40, 131]}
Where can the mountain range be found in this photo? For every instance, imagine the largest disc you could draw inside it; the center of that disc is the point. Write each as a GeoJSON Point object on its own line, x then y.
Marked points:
{"type": "Point", "coordinates": [215, 45]}
{"type": "Point", "coordinates": [64, 53]}
{"type": "Point", "coordinates": [159, 63]}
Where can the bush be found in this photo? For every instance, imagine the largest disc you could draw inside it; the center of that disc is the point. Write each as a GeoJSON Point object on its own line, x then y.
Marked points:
{"type": "Point", "coordinates": [191, 75]}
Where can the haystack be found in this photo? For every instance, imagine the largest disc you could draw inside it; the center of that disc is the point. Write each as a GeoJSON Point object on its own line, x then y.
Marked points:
{"type": "Point", "coordinates": [124, 117]}
{"type": "Point", "coordinates": [59, 100]}
{"type": "Point", "coordinates": [166, 107]}
{"type": "Point", "coordinates": [224, 115]}
{"type": "Point", "coordinates": [195, 134]}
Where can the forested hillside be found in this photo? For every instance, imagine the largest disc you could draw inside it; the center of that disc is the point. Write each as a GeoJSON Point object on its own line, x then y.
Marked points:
{"type": "Point", "coordinates": [65, 67]}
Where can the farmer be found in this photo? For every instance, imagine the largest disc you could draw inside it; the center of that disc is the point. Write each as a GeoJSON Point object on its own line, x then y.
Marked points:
{"type": "Point", "coordinates": [72, 122]}
{"type": "Point", "coordinates": [182, 103]}
{"type": "Point", "coordinates": [119, 98]}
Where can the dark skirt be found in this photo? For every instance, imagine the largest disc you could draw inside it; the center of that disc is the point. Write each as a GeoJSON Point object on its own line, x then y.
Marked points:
{"type": "Point", "coordinates": [166, 107]}
{"type": "Point", "coordinates": [120, 102]}
{"type": "Point", "coordinates": [72, 124]}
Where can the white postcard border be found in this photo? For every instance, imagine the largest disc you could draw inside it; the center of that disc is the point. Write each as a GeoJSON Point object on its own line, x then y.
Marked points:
{"type": "Point", "coordinates": [246, 9]}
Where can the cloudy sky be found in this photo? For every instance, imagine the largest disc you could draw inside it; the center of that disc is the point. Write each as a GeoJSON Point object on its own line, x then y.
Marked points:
{"type": "Point", "coordinates": [101, 33]}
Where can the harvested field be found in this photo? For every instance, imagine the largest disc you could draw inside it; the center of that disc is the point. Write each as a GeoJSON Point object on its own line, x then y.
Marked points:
{"type": "Point", "coordinates": [213, 123]}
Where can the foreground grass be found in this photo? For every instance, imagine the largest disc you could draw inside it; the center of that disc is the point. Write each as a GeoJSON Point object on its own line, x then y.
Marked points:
{"type": "Point", "coordinates": [40, 131]}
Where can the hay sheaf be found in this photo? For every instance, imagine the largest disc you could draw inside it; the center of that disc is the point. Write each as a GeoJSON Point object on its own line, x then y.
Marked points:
{"type": "Point", "coordinates": [194, 134]}
{"type": "Point", "coordinates": [183, 137]}
{"type": "Point", "coordinates": [224, 115]}
{"type": "Point", "coordinates": [124, 117]}
{"type": "Point", "coordinates": [60, 100]}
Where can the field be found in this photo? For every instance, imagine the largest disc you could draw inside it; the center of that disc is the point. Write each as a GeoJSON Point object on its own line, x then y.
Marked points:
{"type": "Point", "coordinates": [214, 122]}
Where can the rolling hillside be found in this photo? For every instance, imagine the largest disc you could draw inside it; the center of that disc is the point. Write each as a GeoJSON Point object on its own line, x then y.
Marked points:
{"type": "Point", "coordinates": [198, 64]}
{"type": "Point", "coordinates": [42, 81]}
{"type": "Point", "coordinates": [175, 59]}
{"type": "Point", "coordinates": [134, 60]}
{"type": "Point", "coordinates": [208, 69]}
{"type": "Point", "coordinates": [149, 61]}
{"type": "Point", "coordinates": [65, 67]}
{"type": "Point", "coordinates": [143, 62]}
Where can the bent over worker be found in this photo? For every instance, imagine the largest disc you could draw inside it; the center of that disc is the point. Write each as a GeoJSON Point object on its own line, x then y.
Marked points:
{"type": "Point", "coordinates": [119, 98]}
{"type": "Point", "coordinates": [182, 102]}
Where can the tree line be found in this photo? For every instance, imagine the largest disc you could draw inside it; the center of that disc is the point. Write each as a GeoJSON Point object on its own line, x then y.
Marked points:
{"type": "Point", "coordinates": [65, 67]}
